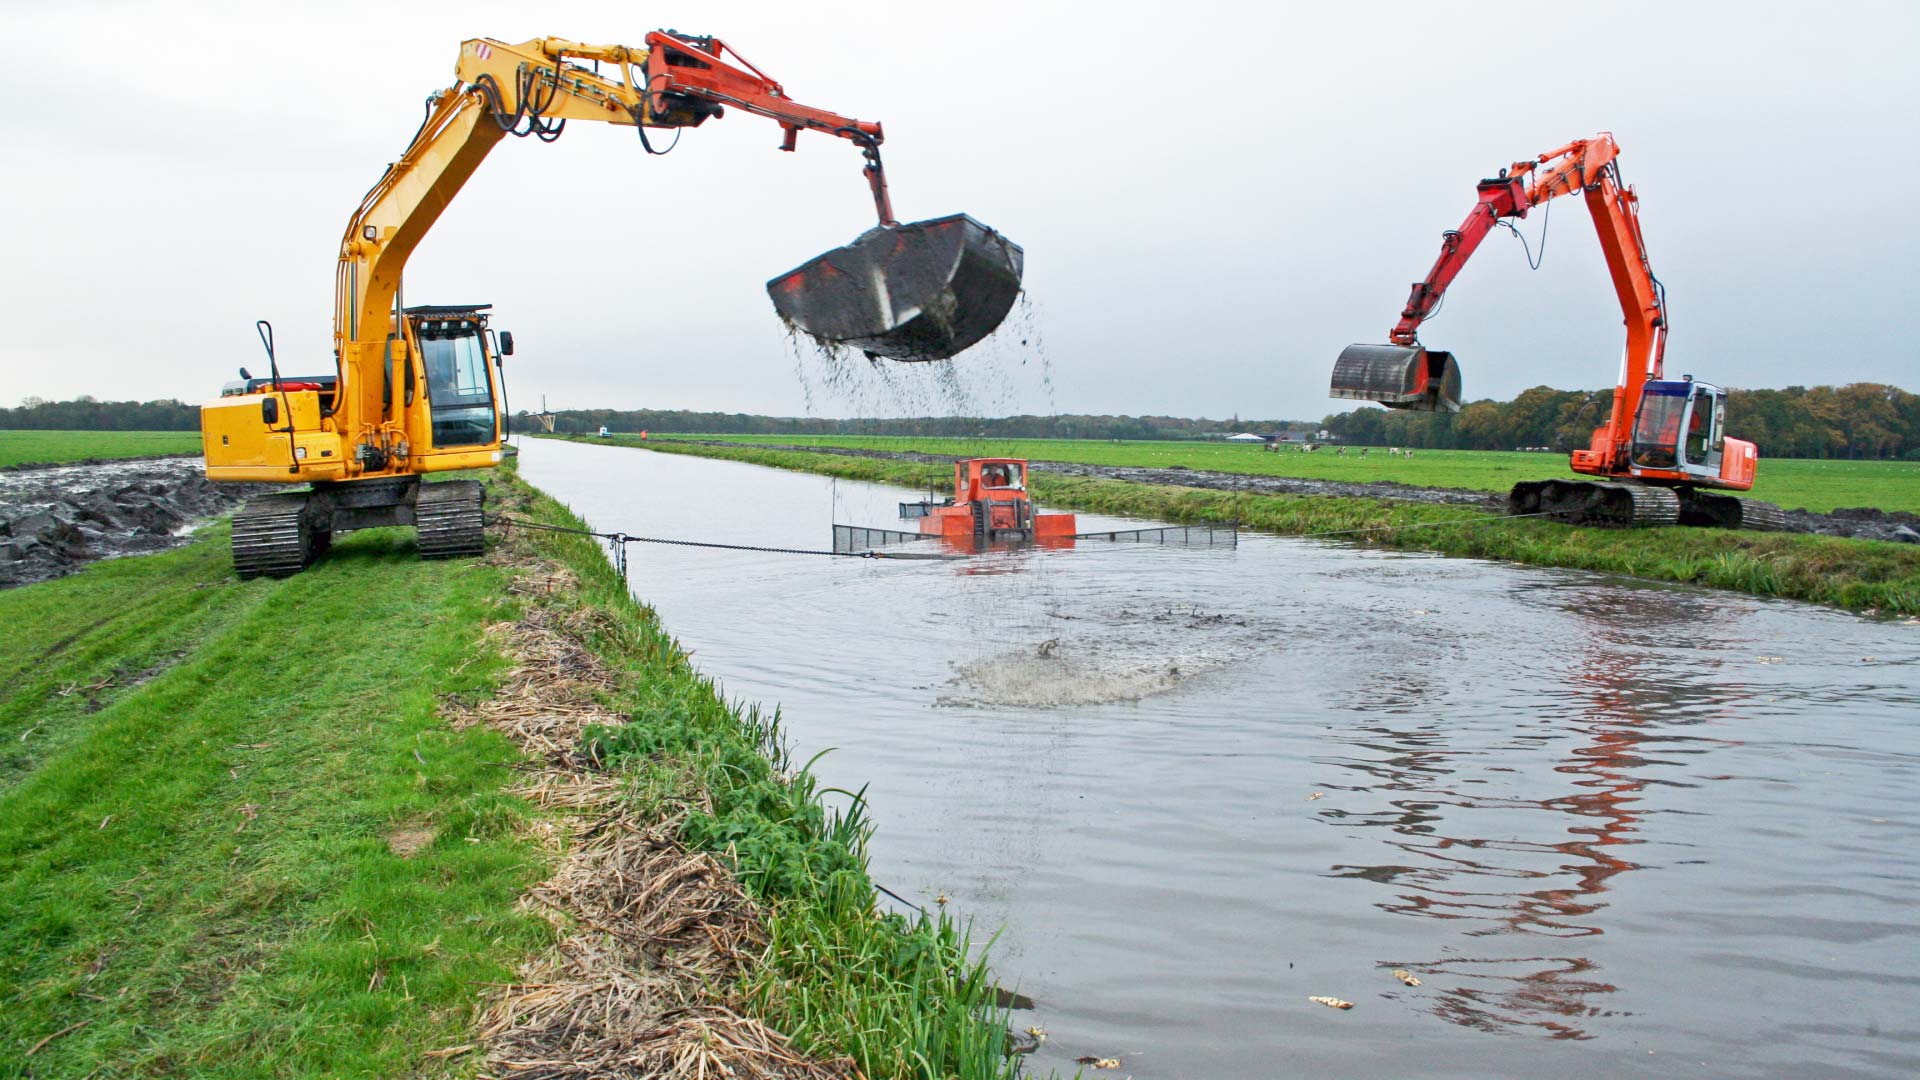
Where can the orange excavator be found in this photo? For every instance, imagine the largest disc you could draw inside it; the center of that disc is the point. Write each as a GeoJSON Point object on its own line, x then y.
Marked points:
{"type": "Point", "coordinates": [1663, 454]}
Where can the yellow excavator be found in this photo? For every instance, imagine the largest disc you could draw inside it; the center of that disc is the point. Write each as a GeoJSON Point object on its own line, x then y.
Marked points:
{"type": "Point", "coordinates": [421, 389]}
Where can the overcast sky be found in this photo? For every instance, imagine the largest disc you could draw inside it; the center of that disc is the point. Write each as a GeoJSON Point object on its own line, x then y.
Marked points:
{"type": "Point", "coordinates": [1214, 198]}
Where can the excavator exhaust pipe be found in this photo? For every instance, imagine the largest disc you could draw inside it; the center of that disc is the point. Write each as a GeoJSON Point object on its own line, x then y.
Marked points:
{"type": "Point", "coordinates": [921, 291]}
{"type": "Point", "coordinates": [1398, 376]}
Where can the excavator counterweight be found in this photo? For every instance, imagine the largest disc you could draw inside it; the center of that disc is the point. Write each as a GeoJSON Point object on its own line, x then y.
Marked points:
{"type": "Point", "coordinates": [922, 291]}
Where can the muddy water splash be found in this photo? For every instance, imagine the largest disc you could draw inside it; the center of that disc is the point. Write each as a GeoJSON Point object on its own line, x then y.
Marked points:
{"type": "Point", "coordinates": [1112, 655]}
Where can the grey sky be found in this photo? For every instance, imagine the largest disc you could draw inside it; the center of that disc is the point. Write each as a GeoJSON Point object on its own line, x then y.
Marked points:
{"type": "Point", "coordinates": [1214, 198]}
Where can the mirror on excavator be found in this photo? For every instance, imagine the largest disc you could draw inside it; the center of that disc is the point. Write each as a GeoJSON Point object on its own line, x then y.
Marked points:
{"type": "Point", "coordinates": [925, 290]}
{"type": "Point", "coordinates": [1398, 376]}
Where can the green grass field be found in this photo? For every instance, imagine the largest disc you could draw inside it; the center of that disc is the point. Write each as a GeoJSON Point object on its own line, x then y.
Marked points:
{"type": "Point", "coordinates": [56, 447]}
{"type": "Point", "coordinates": [200, 779]}
{"type": "Point", "coordinates": [1796, 484]}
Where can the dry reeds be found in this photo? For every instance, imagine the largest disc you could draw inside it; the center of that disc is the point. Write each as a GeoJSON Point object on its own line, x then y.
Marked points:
{"type": "Point", "coordinates": [651, 935]}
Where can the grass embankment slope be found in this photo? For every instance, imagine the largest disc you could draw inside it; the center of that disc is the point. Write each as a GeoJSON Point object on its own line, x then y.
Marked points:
{"type": "Point", "coordinates": [1819, 486]}
{"type": "Point", "coordinates": [1855, 574]}
{"type": "Point", "coordinates": [60, 447]}
{"type": "Point", "coordinates": [238, 837]}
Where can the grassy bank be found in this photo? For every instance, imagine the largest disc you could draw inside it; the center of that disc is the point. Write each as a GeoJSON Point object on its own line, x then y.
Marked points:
{"type": "Point", "coordinates": [199, 778]}
{"type": "Point", "coordinates": [59, 447]}
{"type": "Point", "coordinates": [1853, 574]}
{"type": "Point", "coordinates": [238, 836]}
{"type": "Point", "coordinates": [1819, 486]}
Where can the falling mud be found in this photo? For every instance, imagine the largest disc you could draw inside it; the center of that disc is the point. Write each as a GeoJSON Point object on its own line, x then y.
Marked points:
{"type": "Point", "coordinates": [993, 377]}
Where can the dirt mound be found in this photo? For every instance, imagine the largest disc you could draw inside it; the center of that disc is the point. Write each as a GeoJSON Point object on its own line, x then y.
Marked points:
{"type": "Point", "coordinates": [1862, 522]}
{"type": "Point", "coordinates": [55, 520]}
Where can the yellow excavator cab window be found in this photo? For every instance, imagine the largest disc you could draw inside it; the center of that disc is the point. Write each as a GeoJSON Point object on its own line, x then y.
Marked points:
{"type": "Point", "coordinates": [459, 391]}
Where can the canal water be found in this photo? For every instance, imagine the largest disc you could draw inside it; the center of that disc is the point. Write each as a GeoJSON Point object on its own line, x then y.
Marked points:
{"type": "Point", "coordinates": [1613, 829]}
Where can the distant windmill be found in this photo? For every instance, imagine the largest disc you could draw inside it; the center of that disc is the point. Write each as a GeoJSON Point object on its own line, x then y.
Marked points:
{"type": "Point", "coordinates": [545, 417]}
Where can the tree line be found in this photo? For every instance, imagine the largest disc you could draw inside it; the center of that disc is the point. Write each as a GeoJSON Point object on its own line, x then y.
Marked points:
{"type": "Point", "coordinates": [84, 413]}
{"type": "Point", "coordinates": [1859, 420]}
{"type": "Point", "coordinates": [1064, 426]}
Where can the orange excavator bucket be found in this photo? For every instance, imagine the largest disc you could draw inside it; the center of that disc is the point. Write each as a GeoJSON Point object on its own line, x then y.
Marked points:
{"type": "Point", "coordinates": [1398, 376]}
{"type": "Point", "coordinates": [920, 291]}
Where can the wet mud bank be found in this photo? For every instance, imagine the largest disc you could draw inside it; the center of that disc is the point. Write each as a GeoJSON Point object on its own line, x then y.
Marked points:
{"type": "Point", "coordinates": [54, 520]}
{"type": "Point", "coordinates": [1859, 523]}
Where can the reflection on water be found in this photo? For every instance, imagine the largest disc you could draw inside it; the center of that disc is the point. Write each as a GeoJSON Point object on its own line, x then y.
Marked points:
{"type": "Point", "coordinates": [1511, 873]}
{"type": "Point", "coordinates": [1614, 829]}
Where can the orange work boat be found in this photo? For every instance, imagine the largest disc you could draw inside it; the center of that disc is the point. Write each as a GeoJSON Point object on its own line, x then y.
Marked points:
{"type": "Point", "coordinates": [989, 505]}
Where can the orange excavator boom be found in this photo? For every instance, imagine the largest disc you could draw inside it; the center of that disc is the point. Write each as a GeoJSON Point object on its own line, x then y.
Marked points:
{"type": "Point", "coordinates": [1406, 375]}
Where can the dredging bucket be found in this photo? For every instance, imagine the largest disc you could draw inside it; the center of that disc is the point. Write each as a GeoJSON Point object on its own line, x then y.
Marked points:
{"type": "Point", "coordinates": [920, 291]}
{"type": "Point", "coordinates": [1398, 376]}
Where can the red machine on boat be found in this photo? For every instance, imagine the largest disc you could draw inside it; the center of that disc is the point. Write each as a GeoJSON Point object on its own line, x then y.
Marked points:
{"type": "Point", "coordinates": [989, 504]}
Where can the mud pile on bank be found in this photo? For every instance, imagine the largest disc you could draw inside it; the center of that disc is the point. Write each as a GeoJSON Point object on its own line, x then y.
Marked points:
{"type": "Point", "coordinates": [54, 520]}
{"type": "Point", "coordinates": [1860, 522]}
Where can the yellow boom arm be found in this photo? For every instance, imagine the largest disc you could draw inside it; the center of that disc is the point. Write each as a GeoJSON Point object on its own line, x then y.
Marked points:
{"type": "Point", "coordinates": [529, 88]}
